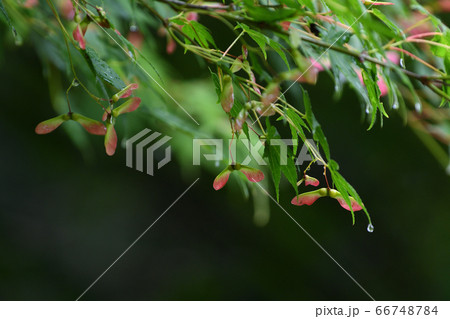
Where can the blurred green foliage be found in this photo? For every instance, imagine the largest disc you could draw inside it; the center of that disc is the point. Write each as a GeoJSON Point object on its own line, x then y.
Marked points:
{"type": "Point", "coordinates": [67, 212]}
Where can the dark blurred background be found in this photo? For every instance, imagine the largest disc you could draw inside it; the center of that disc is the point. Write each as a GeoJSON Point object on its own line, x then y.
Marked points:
{"type": "Point", "coordinates": [64, 220]}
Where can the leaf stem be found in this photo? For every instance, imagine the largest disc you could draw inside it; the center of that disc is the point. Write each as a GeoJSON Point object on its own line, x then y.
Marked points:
{"type": "Point", "coordinates": [232, 44]}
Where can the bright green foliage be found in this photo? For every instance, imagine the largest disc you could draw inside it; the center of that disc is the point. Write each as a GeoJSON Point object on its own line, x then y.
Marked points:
{"type": "Point", "coordinates": [395, 58]}
{"type": "Point", "coordinates": [103, 70]}
{"type": "Point", "coordinates": [199, 33]}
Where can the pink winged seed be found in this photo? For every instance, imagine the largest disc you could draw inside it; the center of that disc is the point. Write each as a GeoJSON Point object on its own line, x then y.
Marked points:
{"type": "Point", "coordinates": [255, 87]}
{"type": "Point", "coordinates": [91, 126]}
{"type": "Point", "coordinates": [129, 106]}
{"type": "Point", "coordinates": [264, 110]}
{"type": "Point", "coordinates": [306, 198]}
{"type": "Point", "coordinates": [354, 203]}
{"type": "Point", "coordinates": [105, 116]}
{"type": "Point", "coordinates": [271, 95]}
{"type": "Point", "coordinates": [311, 181]}
{"type": "Point", "coordinates": [240, 120]}
{"type": "Point", "coordinates": [79, 37]}
{"type": "Point", "coordinates": [227, 96]}
{"type": "Point", "coordinates": [110, 139]}
{"type": "Point", "coordinates": [171, 45]}
{"type": "Point", "coordinates": [221, 179]}
{"type": "Point", "coordinates": [132, 87]}
{"type": "Point", "coordinates": [252, 174]}
{"type": "Point", "coordinates": [94, 128]}
{"type": "Point", "coordinates": [50, 125]}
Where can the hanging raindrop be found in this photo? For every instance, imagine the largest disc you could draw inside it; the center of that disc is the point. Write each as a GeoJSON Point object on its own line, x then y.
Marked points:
{"type": "Point", "coordinates": [402, 63]}
{"type": "Point", "coordinates": [395, 103]}
{"type": "Point", "coordinates": [418, 106]}
{"type": "Point", "coordinates": [370, 228]}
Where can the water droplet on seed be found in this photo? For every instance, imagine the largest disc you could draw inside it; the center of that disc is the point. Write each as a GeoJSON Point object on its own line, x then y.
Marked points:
{"type": "Point", "coordinates": [370, 228]}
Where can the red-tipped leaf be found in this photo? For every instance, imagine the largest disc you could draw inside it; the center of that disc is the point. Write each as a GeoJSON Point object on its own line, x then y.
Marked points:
{"type": "Point", "coordinates": [90, 125]}
{"type": "Point", "coordinates": [252, 174]}
{"type": "Point", "coordinates": [129, 106]}
{"type": "Point", "coordinates": [227, 95]}
{"type": "Point", "coordinates": [222, 178]}
{"type": "Point", "coordinates": [110, 139]}
{"type": "Point", "coordinates": [50, 125]}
